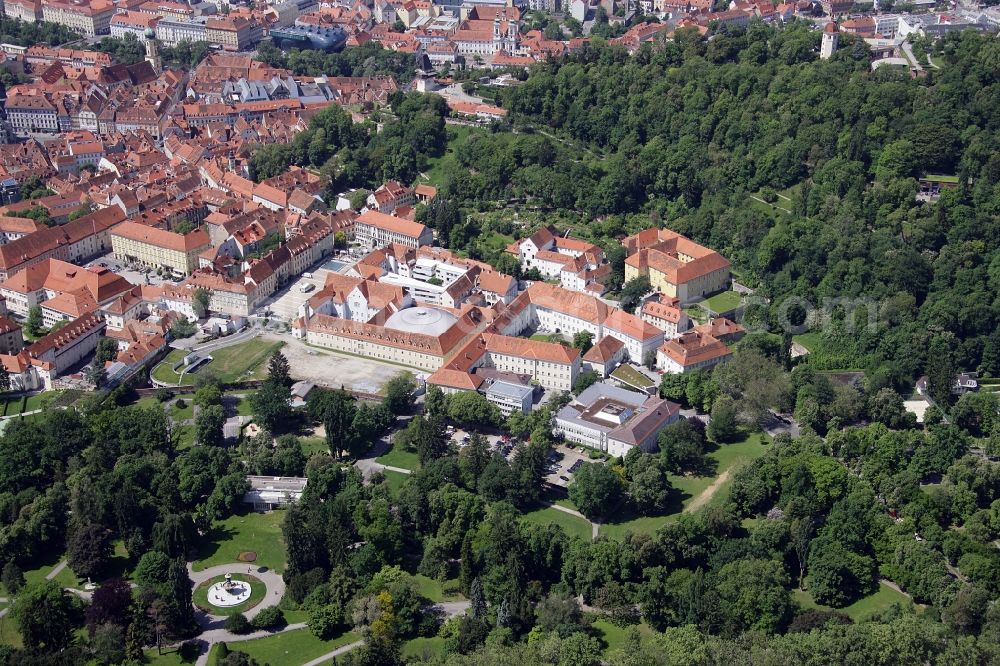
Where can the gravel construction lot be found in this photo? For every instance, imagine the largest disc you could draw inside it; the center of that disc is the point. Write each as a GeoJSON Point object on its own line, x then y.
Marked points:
{"type": "Point", "coordinates": [326, 368]}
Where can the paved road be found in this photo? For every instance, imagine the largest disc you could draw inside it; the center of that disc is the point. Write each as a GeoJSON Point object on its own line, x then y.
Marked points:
{"type": "Point", "coordinates": [56, 570]}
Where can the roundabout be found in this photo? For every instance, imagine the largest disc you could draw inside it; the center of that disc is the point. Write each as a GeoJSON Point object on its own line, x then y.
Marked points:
{"type": "Point", "coordinates": [229, 592]}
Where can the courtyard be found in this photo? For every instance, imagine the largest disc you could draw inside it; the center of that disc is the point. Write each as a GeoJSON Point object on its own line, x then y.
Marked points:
{"type": "Point", "coordinates": [284, 304]}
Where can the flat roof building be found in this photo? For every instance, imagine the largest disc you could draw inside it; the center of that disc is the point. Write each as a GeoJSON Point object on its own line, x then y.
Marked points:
{"type": "Point", "coordinates": [615, 420]}
{"type": "Point", "coordinates": [509, 397]}
{"type": "Point", "coordinates": [273, 492]}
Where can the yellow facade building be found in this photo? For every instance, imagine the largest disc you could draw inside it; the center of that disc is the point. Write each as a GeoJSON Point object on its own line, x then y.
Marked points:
{"type": "Point", "coordinates": [159, 248]}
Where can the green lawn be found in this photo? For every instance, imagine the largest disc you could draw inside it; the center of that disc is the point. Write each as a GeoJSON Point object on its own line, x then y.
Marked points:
{"type": "Point", "coordinates": [722, 302]}
{"type": "Point", "coordinates": [631, 376]}
{"type": "Point", "coordinates": [394, 480]}
{"type": "Point", "coordinates": [257, 592]}
{"type": "Point", "coordinates": [438, 166]}
{"type": "Point", "coordinates": [259, 532]}
{"type": "Point", "coordinates": [421, 649]}
{"type": "Point", "coordinates": [696, 314]}
{"type": "Point", "coordinates": [288, 647]}
{"type": "Point", "coordinates": [397, 457]}
{"type": "Point", "coordinates": [942, 179]}
{"type": "Point", "coordinates": [861, 609]}
{"type": "Point", "coordinates": [549, 337]}
{"type": "Point", "coordinates": [728, 457]}
{"type": "Point", "coordinates": [243, 407]}
{"type": "Point", "coordinates": [170, 657]}
{"type": "Point", "coordinates": [9, 632]}
{"type": "Point", "coordinates": [495, 241]}
{"type": "Point", "coordinates": [33, 402]}
{"type": "Point", "coordinates": [148, 402]}
{"type": "Point", "coordinates": [22, 404]}
{"type": "Point", "coordinates": [247, 360]}
{"type": "Point", "coordinates": [613, 636]}
{"type": "Point", "coordinates": [313, 445]}
{"type": "Point", "coordinates": [185, 436]}
{"type": "Point", "coordinates": [572, 525]}
{"type": "Point", "coordinates": [811, 341]}
{"type": "Point", "coordinates": [185, 413]}
{"type": "Point", "coordinates": [46, 563]}
{"type": "Point", "coordinates": [437, 591]}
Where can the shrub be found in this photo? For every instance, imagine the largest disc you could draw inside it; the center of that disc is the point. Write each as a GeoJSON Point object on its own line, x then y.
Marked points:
{"type": "Point", "coordinates": [163, 395]}
{"type": "Point", "coordinates": [189, 650]}
{"type": "Point", "coordinates": [269, 618]}
{"type": "Point", "coordinates": [180, 403]}
{"type": "Point", "coordinates": [223, 651]}
{"type": "Point", "coordinates": [238, 624]}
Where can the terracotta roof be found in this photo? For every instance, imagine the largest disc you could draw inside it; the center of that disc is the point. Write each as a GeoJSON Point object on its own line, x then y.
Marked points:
{"type": "Point", "coordinates": [8, 326]}
{"type": "Point", "coordinates": [550, 352]}
{"type": "Point", "coordinates": [670, 311]}
{"type": "Point", "coordinates": [59, 276]}
{"type": "Point", "coordinates": [497, 283]}
{"type": "Point", "coordinates": [679, 258]}
{"type": "Point", "coordinates": [47, 239]}
{"type": "Point", "coordinates": [65, 336]}
{"type": "Point", "coordinates": [195, 240]}
{"type": "Point", "coordinates": [604, 350]}
{"type": "Point", "coordinates": [435, 345]}
{"type": "Point", "coordinates": [390, 223]}
{"type": "Point", "coordinates": [622, 322]}
{"type": "Point", "coordinates": [694, 347]}
{"type": "Point", "coordinates": [721, 328]}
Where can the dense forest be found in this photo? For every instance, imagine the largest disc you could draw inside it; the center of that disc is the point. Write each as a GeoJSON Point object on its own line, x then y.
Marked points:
{"type": "Point", "coordinates": [369, 59]}
{"type": "Point", "coordinates": [358, 155]}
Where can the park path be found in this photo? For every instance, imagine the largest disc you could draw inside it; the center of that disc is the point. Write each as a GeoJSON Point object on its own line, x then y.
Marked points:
{"type": "Point", "coordinates": [595, 527]}
{"type": "Point", "coordinates": [334, 654]}
{"type": "Point", "coordinates": [209, 638]}
{"type": "Point", "coordinates": [212, 626]}
{"type": "Point", "coordinates": [705, 496]}
{"type": "Point", "coordinates": [56, 570]}
{"type": "Point", "coordinates": [274, 583]}
{"type": "Point", "coordinates": [450, 609]}
{"type": "Point", "coordinates": [367, 465]}
{"type": "Point", "coordinates": [19, 415]}
{"type": "Point", "coordinates": [49, 576]}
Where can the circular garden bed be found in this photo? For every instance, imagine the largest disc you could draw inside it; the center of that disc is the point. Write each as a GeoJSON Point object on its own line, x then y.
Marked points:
{"type": "Point", "coordinates": [257, 592]}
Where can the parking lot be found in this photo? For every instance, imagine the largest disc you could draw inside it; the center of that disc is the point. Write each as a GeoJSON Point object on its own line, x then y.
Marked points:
{"type": "Point", "coordinates": [136, 275]}
{"type": "Point", "coordinates": [284, 304]}
{"type": "Point", "coordinates": [562, 469]}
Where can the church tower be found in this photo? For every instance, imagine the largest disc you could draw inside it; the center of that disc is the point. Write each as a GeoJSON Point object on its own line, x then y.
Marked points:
{"type": "Point", "coordinates": [152, 51]}
{"type": "Point", "coordinates": [831, 39]}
